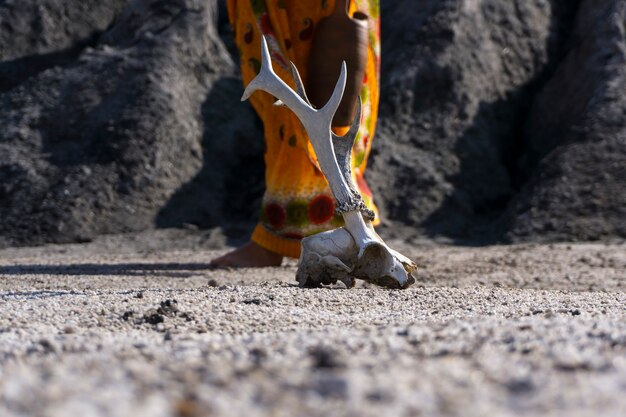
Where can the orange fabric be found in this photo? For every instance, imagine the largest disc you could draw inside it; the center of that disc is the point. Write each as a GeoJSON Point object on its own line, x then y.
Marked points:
{"type": "Point", "coordinates": [297, 201]}
{"type": "Point", "coordinates": [275, 242]}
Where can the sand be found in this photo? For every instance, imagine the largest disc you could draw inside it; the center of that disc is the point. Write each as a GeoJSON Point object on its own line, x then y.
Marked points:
{"type": "Point", "coordinates": [138, 325]}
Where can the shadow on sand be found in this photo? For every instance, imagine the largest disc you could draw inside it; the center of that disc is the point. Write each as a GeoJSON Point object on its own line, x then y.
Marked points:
{"type": "Point", "coordinates": [172, 270]}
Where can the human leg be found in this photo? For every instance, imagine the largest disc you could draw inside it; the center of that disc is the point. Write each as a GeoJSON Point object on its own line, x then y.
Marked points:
{"type": "Point", "coordinates": [297, 201]}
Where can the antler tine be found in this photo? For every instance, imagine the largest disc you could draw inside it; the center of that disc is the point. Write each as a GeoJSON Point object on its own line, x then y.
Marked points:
{"type": "Point", "coordinates": [333, 103]}
{"type": "Point", "coordinates": [264, 76]}
{"type": "Point", "coordinates": [343, 151]}
{"type": "Point", "coordinates": [343, 147]}
{"type": "Point", "coordinates": [299, 85]}
{"type": "Point", "coordinates": [268, 81]}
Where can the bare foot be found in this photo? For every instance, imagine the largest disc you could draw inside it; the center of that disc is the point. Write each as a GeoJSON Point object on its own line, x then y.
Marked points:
{"type": "Point", "coordinates": [250, 255]}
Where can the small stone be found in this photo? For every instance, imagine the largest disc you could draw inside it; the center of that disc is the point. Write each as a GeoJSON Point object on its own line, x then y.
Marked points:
{"type": "Point", "coordinates": [332, 386]}
{"type": "Point", "coordinates": [168, 308]}
{"type": "Point", "coordinates": [186, 316]}
{"type": "Point", "coordinates": [520, 385]}
{"type": "Point", "coordinates": [153, 317]}
{"type": "Point", "coordinates": [325, 358]}
{"type": "Point", "coordinates": [403, 332]}
{"type": "Point", "coordinates": [258, 355]}
{"type": "Point", "coordinates": [379, 396]}
{"type": "Point", "coordinates": [48, 346]}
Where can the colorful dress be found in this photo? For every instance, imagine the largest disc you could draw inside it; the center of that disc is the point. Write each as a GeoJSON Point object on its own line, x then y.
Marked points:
{"type": "Point", "coordinates": [297, 200]}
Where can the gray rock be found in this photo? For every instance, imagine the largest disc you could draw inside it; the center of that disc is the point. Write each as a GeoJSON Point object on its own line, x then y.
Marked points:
{"type": "Point", "coordinates": [101, 143]}
{"type": "Point", "coordinates": [37, 35]}
{"type": "Point", "coordinates": [458, 81]}
{"type": "Point", "coordinates": [575, 148]}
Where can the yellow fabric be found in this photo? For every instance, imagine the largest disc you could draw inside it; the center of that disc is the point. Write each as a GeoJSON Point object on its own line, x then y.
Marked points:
{"type": "Point", "coordinates": [297, 201]}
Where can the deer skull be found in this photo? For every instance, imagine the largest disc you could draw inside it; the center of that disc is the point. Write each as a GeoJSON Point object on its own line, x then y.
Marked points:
{"type": "Point", "coordinates": [353, 251]}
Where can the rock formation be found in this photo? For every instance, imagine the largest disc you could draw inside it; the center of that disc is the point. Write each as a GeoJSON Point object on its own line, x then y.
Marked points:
{"type": "Point", "coordinates": [122, 116]}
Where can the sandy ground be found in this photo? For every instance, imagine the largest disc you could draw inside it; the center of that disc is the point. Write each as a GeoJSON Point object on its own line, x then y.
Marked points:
{"type": "Point", "coordinates": [131, 326]}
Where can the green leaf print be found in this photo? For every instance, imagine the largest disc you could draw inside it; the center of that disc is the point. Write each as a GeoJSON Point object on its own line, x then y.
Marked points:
{"type": "Point", "coordinates": [359, 158]}
{"type": "Point", "coordinates": [374, 8]}
{"type": "Point", "coordinates": [373, 40]}
{"type": "Point", "coordinates": [297, 213]}
{"type": "Point", "coordinates": [256, 65]}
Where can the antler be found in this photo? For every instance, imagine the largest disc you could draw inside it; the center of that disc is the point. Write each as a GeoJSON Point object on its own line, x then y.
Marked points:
{"type": "Point", "coordinates": [316, 122]}
{"type": "Point", "coordinates": [383, 265]}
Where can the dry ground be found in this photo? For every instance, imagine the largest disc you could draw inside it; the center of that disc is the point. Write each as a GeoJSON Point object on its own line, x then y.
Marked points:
{"type": "Point", "coordinates": [134, 326]}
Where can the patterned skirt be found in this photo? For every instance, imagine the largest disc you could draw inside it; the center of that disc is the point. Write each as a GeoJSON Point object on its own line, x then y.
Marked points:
{"type": "Point", "coordinates": [297, 200]}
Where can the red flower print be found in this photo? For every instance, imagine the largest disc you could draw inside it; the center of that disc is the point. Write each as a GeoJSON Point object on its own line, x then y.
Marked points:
{"type": "Point", "coordinates": [362, 185]}
{"type": "Point", "coordinates": [275, 215]}
{"type": "Point", "coordinates": [266, 24]}
{"type": "Point", "coordinates": [249, 35]}
{"type": "Point", "coordinates": [307, 32]}
{"type": "Point", "coordinates": [321, 209]}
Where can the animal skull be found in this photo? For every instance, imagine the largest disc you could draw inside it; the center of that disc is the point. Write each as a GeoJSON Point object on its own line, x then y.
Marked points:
{"type": "Point", "coordinates": [353, 251]}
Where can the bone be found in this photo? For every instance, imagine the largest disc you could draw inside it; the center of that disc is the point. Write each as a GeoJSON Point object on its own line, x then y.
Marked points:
{"type": "Point", "coordinates": [354, 251]}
